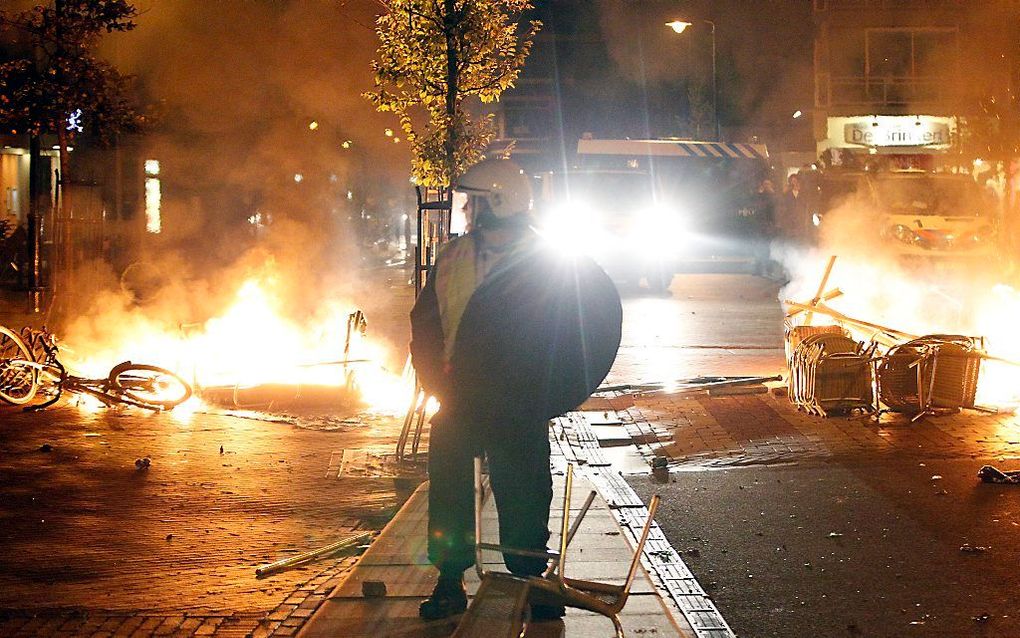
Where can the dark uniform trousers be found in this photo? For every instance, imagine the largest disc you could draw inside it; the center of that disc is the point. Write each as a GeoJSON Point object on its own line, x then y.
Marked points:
{"type": "Point", "coordinates": [518, 458]}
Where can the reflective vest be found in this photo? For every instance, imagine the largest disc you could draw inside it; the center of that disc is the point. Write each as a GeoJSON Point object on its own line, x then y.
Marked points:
{"type": "Point", "coordinates": [462, 265]}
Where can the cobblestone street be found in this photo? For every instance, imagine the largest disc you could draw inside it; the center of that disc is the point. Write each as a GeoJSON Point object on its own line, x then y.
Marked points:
{"type": "Point", "coordinates": [95, 546]}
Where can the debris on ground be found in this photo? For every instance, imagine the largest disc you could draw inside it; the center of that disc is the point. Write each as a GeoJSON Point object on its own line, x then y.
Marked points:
{"type": "Point", "coordinates": [695, 385]}
{"type": "Point", "coordinates": [45, 447]}
{"type": "Point", "coordinates": [663, 555]}
{"type": "Point", "coordinates": [737, 390]}
{"type": "Point", "coordinates": [373, 589]}
{"type": "Point", "coordinates": [973, 549]}
{"type": "Point", "coordinates": [334, 548]}
{"type": "Point", "coordinates": [917, 375]}
{"type": "Point", "coordinates": [143, 464]}
{"type": "Point", "coordinates": [992, 474]}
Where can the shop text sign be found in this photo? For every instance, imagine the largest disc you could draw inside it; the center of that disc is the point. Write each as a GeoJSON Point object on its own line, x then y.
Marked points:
{"type": "Point", "coordinates": [910, 133]}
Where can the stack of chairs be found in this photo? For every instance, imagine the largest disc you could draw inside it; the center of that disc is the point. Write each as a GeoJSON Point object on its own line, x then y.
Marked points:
{"type": "Point", "coordinates": [795, 334]}
{"type": "Point", "coordinates": [831, 373]}
{"type": "Point", "coordinates": [934, 374]}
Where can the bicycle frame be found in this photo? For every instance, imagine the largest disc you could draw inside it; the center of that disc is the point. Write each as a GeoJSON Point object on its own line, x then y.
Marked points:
{"type": "Point", "coordinates": [54, 378]}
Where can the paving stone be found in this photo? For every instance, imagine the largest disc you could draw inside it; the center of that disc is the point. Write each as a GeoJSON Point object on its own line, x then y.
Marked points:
{"type": "Point", "coordinates": [129, 625]}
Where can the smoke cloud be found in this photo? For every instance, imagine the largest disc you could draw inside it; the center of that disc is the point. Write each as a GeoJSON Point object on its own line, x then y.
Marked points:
{"type": "Point", "coordinates": [272, 166]}
{"type": "Point", "coordinates": [963, 294]}
{"type": "Point", "coordinates": [763, 59]}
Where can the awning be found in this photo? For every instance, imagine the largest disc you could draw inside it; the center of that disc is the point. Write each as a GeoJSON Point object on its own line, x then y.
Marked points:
{"type": "Point", "coordinates": [672, 148]}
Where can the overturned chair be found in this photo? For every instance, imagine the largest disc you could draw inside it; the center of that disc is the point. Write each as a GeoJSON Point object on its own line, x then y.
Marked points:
{"type": "Point", "coordinates": [501, 607]}
{"type": "Point", "coordinates": [934, 374]}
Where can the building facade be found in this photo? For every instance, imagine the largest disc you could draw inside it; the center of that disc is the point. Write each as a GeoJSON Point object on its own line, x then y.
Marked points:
{"type": "Point", "coordinates": [924, 82]}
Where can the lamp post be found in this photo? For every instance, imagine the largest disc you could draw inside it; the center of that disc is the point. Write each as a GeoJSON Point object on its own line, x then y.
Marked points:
{"type": "Point", "coordinates": [679, 26]}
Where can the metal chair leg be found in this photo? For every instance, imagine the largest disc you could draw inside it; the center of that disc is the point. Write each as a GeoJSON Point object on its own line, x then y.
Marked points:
{"type": "Point", "coordinates": [479, 498]}
{"type": "Point", "coordinates": [617, 626]}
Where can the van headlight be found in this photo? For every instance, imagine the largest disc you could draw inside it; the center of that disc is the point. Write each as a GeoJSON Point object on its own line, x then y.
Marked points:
{"type": "Point", "coordinates": [658, 231]}
{"type": "Point", "coordinates": [572, 228]}
{"type": "Point", "coordinates": [905, 234]}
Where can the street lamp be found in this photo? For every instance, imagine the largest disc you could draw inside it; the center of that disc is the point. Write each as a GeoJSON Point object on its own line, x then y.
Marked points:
{"type": "Point", "coordinates": [679, 26]}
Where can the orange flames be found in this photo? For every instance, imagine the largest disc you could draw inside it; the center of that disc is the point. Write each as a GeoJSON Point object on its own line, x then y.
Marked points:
{"type": "Point", "coordinates": [252, 342]}
{"type": "Point", "coordinates": [924, 303]}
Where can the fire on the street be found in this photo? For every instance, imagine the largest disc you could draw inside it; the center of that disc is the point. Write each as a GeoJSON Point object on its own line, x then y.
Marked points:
{"type": "Point", "coordinates": [882, 293]}
{"type": "Point", "coordinates": [252, 343]}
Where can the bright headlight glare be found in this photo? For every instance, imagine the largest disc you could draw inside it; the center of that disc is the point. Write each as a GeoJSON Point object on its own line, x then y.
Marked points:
{"type": "Point", "coordinates": [570, 227]}
{"type": "Point", "coordinates": [658, 229]}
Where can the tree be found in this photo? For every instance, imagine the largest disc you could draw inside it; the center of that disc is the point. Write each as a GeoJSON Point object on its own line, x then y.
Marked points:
{"type": "Point", "coordinates": [433, 56]}
{"type": "Point", "coordinates": [56, 85]}
{"type": "Point", "coordinates": [699, 117]}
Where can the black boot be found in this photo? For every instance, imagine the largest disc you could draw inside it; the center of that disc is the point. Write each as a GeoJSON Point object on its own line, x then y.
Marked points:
{"type": "Point", "coordinates": [449, 598]}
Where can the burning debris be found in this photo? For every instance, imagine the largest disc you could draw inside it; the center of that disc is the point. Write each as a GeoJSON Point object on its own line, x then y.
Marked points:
{"type": "Point", "coordinates": [31, 374]}
{"type": "Point", "coordinates": [259, 344]}
{"type": "Point", "coordinates": [249, 356]}
{"type": "Point", "coordinates": [832, 373]}
{"type": "Point", "coordinates": [319, 393]}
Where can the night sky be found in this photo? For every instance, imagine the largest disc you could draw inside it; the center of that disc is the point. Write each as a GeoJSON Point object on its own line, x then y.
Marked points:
{"type": "Point", "coordinates": [621, 71]}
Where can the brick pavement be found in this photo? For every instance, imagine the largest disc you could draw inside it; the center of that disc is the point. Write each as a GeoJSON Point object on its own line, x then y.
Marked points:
{"type": "Point", "coordinates": [767, 428]}
{"type": "Point", "coordinates": [94, 547]}
{"type": "Point", "coordinates": [91, 547]}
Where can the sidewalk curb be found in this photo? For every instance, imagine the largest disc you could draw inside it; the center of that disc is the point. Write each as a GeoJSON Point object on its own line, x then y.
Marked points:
{"type": "Point", "coordinates": [664, 564]}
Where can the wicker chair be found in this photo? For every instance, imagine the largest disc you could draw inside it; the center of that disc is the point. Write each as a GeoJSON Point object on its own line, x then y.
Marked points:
{"type": "Point", "coordinates": [830, 373]}
{"type": "Point", "coordinates": [795, 334]}
{"type": "Point", "coordinates": [935, 374]}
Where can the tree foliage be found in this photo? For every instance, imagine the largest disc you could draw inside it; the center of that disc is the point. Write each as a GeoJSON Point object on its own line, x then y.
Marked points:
{"type": "Point", "coordinates": [55, 71]}
{"type": "Point", "coordinates": [432, 57]}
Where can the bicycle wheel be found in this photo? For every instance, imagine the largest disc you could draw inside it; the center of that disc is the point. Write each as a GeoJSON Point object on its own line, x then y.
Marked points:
{"type": "Point", "coordinates": [149, 386]}
{"type": "Point", "coordinates": [18, 381]}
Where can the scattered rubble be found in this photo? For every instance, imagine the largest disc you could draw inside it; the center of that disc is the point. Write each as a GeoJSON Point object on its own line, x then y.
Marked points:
{"type": "Point", "coordinates": [992, 474]}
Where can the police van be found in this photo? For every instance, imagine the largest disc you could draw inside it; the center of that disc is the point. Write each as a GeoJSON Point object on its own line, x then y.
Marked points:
{"type": "Point", "coordinates": [648, 209]}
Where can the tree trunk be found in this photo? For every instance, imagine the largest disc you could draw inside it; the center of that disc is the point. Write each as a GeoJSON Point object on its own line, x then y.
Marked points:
{"type": "Point", "coordinates": [64, 208]}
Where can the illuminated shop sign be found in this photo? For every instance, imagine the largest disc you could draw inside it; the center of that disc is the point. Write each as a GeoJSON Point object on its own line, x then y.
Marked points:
{"type": "Point", "coordinates": [891, 131]}
{"type": "Point", "coordinates": [917, 134]}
